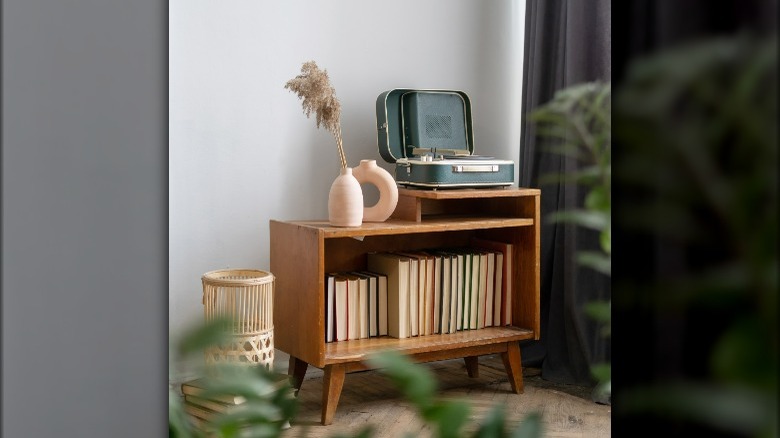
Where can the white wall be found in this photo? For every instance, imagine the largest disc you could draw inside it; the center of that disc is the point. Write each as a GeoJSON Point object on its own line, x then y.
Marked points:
{"type": "Point", "coordinates": [242, 152]}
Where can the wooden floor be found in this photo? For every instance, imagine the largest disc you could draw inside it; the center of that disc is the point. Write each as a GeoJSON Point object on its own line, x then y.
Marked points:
{"type": "Point", "coordinates": [369, 398]}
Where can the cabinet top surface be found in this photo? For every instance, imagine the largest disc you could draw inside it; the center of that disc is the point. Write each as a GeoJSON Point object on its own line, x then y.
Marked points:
{"type": "Point", "coordinates": [505, 192]}
{"type": "Point", "coordinates": [394, 226]}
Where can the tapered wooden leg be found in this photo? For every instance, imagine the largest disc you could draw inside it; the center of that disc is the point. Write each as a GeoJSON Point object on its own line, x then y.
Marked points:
{"type": "Point", "coordinates": [472, 365]}
{"type": "Point", "coordinates": [331, 391]}
{"type": "Point", "coordinates": [513, 366]}
{"type": "Point", "coordinates": [297, 369]}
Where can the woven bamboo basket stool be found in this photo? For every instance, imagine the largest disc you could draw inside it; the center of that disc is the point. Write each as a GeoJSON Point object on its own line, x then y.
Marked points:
{"type": "Point", "coordinates": [245, 297]}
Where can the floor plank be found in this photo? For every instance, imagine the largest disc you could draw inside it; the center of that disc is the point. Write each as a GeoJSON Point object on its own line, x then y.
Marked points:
{"type": "Point", "coordinates": [370, 399]}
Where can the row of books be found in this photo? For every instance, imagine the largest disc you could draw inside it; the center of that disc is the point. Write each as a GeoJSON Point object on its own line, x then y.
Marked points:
{"type": "Point", "coordinates": [356, 306]}
{"type": "Point", "coordinates": [420, 293]}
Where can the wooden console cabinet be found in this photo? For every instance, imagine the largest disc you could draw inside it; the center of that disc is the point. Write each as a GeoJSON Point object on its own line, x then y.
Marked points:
{"type": "Point", "coordinates": [303, 252]}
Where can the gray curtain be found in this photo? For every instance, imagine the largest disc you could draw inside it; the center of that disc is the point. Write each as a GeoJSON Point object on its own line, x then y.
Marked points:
{"type": "Point", "coordinates": [566, 43]}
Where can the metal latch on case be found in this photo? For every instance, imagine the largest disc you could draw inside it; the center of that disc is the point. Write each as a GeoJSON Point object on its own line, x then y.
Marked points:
{"type": "Point", "coordinates": [404, 164]}
{"type": "Point", "coordinates": [489, 168]}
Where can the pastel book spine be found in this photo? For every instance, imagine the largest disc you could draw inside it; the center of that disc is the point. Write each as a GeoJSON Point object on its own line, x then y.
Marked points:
{"type": "Point", "coordinates": [490, 280]}
{"type": "Point", "coordinates": [482, 290]}
{"type": "Point", "coordinates": [474, 295]}
{"type": "Point", "coordinates": [382, 286]}
{"type": "Point", "coordinates": [363, 305]}
{"type": "Point", "coordinates": [396, 268]}
{"type": "Point", "coordinates": [457, 296]}
{"type": "Point", "coordinates": [422, 290]}
{"type": "Point", "coordinates": [466, 302]}
{"type": "Point", "coordinates": [373, 303]}
{"type": "Point", "coordinates": [414, 275]}
{"type": "Point", "coordinates": [507, 250]}
{"type": "Point", "coordinates": [353, 300]}
{"type": "Point", "coordinates": [437, 295]}
{"type": "Point", "coordinates": [341, 311]}
{"type": "Point", "coordinates": [498, 292]}
{"type": "Point", "coordinates": [443, 280]}
{"type": "Point", "coordinates": [454, 279]}
{"type": "Point", "coordinates": [416, 291]}
{"type": "Point", "coordinates": [329, 307]}
{"type": "Point", "coordinates": [430, 287]}
{"type": "Point", "coordinates": [446, 283]}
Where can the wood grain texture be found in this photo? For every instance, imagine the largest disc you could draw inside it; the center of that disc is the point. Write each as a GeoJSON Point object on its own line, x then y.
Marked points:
{"type": "Point", "coordinates": [297, 263]}
{"type": "Point", "coordinates": [361, 349]}
{"type": "Point", "coordinates": [527, 267]}
{"type": "Point", "coordinates": [331, 391]}
{"type": "Point", "coordinates": [408, 209]}
{"type": "Point", "coordinates": [371, 399]}
{"type": "Point", "coordinates": [304, 252]}
{"type": "Point", "coordinates": [513, 366]}
{"type": "Point", "coordinates": [397, 227]}
{"type": "Point", "coordinates": [507, 192]}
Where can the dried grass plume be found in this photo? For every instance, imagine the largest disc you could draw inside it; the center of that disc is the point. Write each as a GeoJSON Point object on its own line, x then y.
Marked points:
{"type": "Point", "coordinates": [319, 97]}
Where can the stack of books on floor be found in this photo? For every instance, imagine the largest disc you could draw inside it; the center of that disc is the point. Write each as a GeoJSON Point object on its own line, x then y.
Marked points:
{"type": "Point", "coordinates": [421, 293]}
{"type": "Point", "coordinates": [202, 410]}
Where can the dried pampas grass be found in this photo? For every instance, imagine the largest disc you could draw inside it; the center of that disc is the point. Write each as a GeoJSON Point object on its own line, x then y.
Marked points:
{"type": "Point", "coordinates": [319, 97]}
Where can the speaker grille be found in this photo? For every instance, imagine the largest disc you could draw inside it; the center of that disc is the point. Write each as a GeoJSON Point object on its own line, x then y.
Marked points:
{"type": "Point", "coordinates": [438, 126]}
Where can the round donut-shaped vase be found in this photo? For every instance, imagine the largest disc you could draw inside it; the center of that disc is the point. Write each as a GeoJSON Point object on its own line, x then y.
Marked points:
{"type": "Point", "coordinates": [369, 173]}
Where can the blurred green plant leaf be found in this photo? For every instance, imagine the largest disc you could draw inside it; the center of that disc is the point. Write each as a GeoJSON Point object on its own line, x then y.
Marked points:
{"type": "Point", "coordinates": [178, 424]}
{"type": "Point", "coordinates": [252, 412]}
{"type": "Point", "coordinates": [566, 148]}
{"type": "Point", "coordinates": [732, 409]}
{"type": "Point", "coordinates": [247, 385]}
{"type": "Point", "coordinates": [448, 417]}
{"type": "Point", "coordinates": [531, 427]}
{"type": "Point", "coordinates": [602, 372]}
{"type": "Point", "coordinates": [599, 310]}
{"type": "Point", "coordinates": [587, 175]}
{"type": "Point", "coordinates": [605, 240]}
{"type": "Point", "coordinates": [494, 425]}
{"type": "Point", "coordinates": [596, 220]}
{"type": "Point", "coordinates": [365, 432]}
{"type": "Point", "coordinates": [415, 382]}
{"type": "Point", "coordinates": [596, 261]}
{"type": "Point", "coordinates": [741, 354]}
{"type": "Point", "coordinates": [214, 332]}
{"type": "Point", "coordinates": [598, 199]}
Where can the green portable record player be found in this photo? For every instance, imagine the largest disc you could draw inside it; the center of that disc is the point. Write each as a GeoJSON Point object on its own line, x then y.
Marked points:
{"type": "Point", "coordinates": [428, 134]}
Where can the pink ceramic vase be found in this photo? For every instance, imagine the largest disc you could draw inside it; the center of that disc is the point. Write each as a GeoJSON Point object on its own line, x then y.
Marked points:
{"type": "Point", "coordinates": [369, 173]}
{"type": "Point", "coordinates": [345, 201]}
